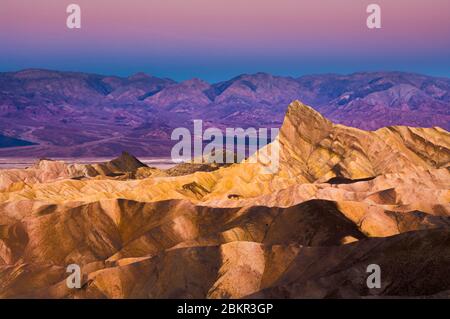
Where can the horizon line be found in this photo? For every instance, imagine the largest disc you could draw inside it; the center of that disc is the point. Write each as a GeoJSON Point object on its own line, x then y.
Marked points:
{"type": "Point", "coordinates": [295, 77]}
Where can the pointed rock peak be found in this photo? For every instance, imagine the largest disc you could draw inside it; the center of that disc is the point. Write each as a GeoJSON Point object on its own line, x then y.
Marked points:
{"type": "Point", "coordinates": [139, 76]}
{"type": "Point", "coordinates": [302, 121]}
{"type": "Point", "coordinates": [302, 111]}
{"type": "Point", "coordinates": [126, 163]}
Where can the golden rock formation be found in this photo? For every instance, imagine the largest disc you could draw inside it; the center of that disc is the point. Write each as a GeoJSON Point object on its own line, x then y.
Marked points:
{"type": "Point", "coordinates": [342, 198]}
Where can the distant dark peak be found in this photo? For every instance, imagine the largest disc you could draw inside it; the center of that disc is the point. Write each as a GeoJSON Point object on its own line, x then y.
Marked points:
{"type": "Point", "coordinates": [126, 163]}
{"type": "Point", "coordinates": [126, 156]}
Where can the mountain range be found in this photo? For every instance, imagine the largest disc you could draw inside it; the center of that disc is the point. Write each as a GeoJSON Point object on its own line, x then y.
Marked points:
{"type": "Point", "coordinates": [69, 114]}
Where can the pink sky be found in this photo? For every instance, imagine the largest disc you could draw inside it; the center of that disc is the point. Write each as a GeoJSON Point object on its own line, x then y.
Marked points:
{"type": "Point", "coordinates": [224, 28]}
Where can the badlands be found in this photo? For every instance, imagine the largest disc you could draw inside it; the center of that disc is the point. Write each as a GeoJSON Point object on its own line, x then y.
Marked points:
{"type": "Point", "coordinates": [341, 200]}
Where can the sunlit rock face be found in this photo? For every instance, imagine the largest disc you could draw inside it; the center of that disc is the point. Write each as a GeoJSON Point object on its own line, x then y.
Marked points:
{"type": "Point", "coordinates": [341, 199]}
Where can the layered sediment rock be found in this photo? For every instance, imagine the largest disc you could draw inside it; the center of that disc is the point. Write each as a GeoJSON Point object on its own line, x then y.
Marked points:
{"type": "Point", "coordinates": [341, 199]}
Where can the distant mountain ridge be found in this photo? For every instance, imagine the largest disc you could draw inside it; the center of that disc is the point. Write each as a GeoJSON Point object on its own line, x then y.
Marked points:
{"type": "Point", "coordinates": [81, 114]}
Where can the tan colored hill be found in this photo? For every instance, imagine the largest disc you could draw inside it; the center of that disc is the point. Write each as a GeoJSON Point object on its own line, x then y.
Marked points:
{"type": "Point", "coordinates": [342, 198]}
